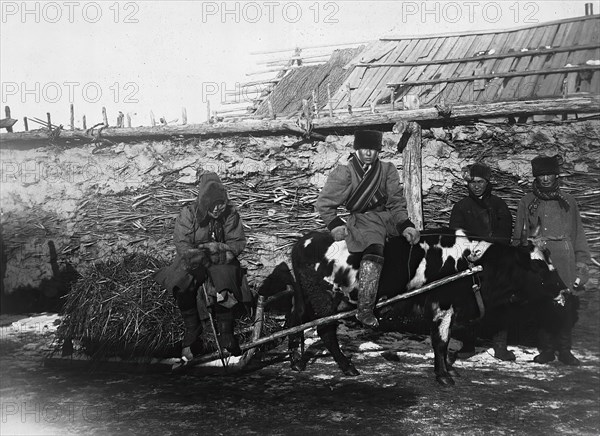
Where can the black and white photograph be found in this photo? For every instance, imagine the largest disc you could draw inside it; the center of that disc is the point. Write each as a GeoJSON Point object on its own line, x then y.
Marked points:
{"type": "Point", "coordinates": [300, 217]}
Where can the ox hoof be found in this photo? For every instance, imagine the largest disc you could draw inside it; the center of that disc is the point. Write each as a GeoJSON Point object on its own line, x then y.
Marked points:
{"type": "Point", "coordinates": [454, 373]}
{"type": "Point", "coordinates": [298, 365]}
{"type": "Point", "coordinates": [506, 355]}
{"type": "Point", "coordinates": [350, 370]}
{"type": "Point", "coordinates": [544, 357]}
{"type": "Point", "coordinates": [445, 380]}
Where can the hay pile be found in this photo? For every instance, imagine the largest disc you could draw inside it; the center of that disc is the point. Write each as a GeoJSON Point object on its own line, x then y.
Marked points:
{"type": "Point", "coordinates": [117, 309]}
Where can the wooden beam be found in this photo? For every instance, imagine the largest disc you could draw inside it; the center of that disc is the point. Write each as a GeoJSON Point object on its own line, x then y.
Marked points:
{"type": "Point", "coordinates": [309, 47]}
{"type": "Point", "coordinates": [411, 157]}
{"type": "Point", "coordinates": [497, 75]}
{"type": "Point", "coordinates": [517, 54]}
{"type": "Point", "coordinates": [459, 113]}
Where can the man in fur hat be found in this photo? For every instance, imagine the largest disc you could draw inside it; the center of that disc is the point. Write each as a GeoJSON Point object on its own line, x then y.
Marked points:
{"type": "Point", "coordinates": [561, 231]}
{"type": "Point", "coordinates": [208, 237]}
{"type": "Point", "coordinates": [370, 190]}
{"type": "Point", "coordinates": [485, 215]}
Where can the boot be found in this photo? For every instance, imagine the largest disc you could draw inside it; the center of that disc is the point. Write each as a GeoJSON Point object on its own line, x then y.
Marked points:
{"type": "Point", "coordinates": [499, 341]}
{"type": "Point", "coordinates": [545, 346]}
{"type": "Point", "coordinates": [467, 337]}
{"type": "Point", "coordinates": [192, 325]}
{"type": "Point", "coordinates": [368, 282]}
{"type": "Point", "coordinates": [563, 340]}
{"type": "Point", "coordinates": [225, 334]}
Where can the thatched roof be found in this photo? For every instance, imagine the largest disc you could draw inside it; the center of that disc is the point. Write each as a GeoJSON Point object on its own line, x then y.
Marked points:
{"type": "Point", "coordinates": [286, 98]}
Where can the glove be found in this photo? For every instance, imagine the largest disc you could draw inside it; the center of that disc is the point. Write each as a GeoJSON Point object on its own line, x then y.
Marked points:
{"type": "Point", "coordinates": [583, 273]}
{"type": "Point", "coordinates": [195, 257]}
{"type": "Point", "coordinates": [412, 235]}
{"type": "Point", "coordinates": [339, 233]}
{"type": "Point", "coordinates": [218, 252]}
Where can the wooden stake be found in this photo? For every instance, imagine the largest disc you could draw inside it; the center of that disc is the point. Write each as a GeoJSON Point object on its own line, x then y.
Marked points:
{"type": "Point", "coordinates": [183, 116]}
{"type": "Point", "coordinates": [25, 124]}
{"type": "Point", "coordinates": [411, 157]}
{"type": "Point", "coordinates": [393, 97]}
{"type": "Point", "coordinates": [315, 104]}
{"type": "Point", "coordinates": [152, 120]}
{"type": "Point", "coordinates": [349, 95]}
{"type": "Point", "coordinates": [208, 110]}
{"type": "Point", "coordinates": [104, 116]}
{"type": "Point", "coordinates": [49, 121]}
{"type": "Point", "coordinates": [72, 117]}
{"type": "Point", "coordinates": [128, 120]}
{"type": "Point", "coordinates": [84, 123]}
{"type": "Point", "coordinates": [271, 111]}
{"type": "Point", "coordinates": [329, 102]}
{"type": "Point", "coordinates": [7, 112]}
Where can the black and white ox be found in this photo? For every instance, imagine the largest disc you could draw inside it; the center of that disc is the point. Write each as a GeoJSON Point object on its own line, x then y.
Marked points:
{"type": "Point", "coordinates": [325, 271]}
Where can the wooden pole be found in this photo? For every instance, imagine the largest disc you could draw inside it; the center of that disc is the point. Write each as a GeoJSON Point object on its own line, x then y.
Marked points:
{"type": "Point", "coordinates": [84, 123]}
{"type": "Point", "coordinates": [128, 117]}
{"type": "Point", "coordinates": [393, 98]}
{"type": "Point", "coordinates": [411, 157]}
{"type": "Point", "coordinates": [72, 117]}
{"type": "Point", "coordinates": [349, 96]}
{"type": "Point", "coordinates": [183, 116]}
{"type": "Point", "coordinates": [7, 112]}
{"type": "Point", "coordinates": [271, 111]}
{"type": "Point", "coordinates": [315, 104]}
{"type": "Point", "coordinates": [341, 315]}
{"type": "Point", "coordinates": [152, 120]}
{"type": "Point", "coordinates": [329, 102]}
{"type": "Point", "coordinates": [49, 120]}
{"type": "Point", "coordinates": [25, 124]}
{"type": "Point", "coordinates": [208, 110]}
{"type": "Point", "coordinates": [104, 116]}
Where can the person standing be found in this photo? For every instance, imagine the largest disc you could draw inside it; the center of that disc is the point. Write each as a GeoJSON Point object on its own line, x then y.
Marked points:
{"type": "Point", "coordinates": [555, 216]}
{"type": "Point", "coordinates": [370, 190]}
{"type": "Point", "coordinates": [483, 214]}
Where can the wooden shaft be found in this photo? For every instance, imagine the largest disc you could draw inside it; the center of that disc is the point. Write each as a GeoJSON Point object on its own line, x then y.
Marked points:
{"type": "Point", "coordinates": [341, 315]}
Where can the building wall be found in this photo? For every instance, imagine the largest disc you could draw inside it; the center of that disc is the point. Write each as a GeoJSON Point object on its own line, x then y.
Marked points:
{"type": "Point", "coordinates": [93, 201]}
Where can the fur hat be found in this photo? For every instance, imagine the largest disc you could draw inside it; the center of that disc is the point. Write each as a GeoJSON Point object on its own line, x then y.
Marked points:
{"type": "Point", "coordinates": [480, 170]}
{"type": "Point", "coordinates": [369, 139]}
{"type": "Point", "coordinates": [544, 165]}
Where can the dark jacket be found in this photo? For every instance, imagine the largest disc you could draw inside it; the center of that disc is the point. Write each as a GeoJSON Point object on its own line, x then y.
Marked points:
{"type": "Point", "coordinates": [192, 229]}
{"type": "Point", "coordinates": [488, 217]}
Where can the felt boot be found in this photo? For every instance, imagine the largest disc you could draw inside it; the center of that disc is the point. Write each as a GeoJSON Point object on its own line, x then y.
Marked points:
{"type": "Point", "coordinates": [546, 348]}
{"type": "Point", "coordinates": [225, 334]}
{"type": "Point", "coordinates": [368, 283]}
{"type": "Point", "coordinates": [499, 343]}
{"type": "Point", "coordinates": [564, 348]}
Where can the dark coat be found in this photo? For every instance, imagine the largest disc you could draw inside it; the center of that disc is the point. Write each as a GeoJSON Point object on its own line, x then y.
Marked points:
{"type": "Point", "coordinates": [192, 229]}
{"type": "Point", "coordinates": [486, 218]}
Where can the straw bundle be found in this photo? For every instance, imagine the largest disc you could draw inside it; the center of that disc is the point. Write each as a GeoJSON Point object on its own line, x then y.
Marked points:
{"type": "Point", "coordinates": [118, 309]}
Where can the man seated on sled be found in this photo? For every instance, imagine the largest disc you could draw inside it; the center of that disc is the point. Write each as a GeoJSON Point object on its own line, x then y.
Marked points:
{"type": "Point", "coordinates": [208, 237]}
{"type": "Point", "coordinates": [370, 190]}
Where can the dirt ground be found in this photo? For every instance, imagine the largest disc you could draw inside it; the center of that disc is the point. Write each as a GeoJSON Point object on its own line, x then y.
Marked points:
{"type": "Point", "coordinates": [396, 393]}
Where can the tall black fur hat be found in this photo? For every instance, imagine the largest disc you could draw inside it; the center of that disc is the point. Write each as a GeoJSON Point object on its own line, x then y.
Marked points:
{"type": "Point", "coordinates": [371, 139]}
{"type": "Point", "coordinates": [480, 170]}
{"type": "Point", "coordinates": [545, 165]}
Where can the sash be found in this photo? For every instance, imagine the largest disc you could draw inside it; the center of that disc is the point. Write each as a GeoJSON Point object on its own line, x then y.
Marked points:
{"type": "Point", "coordinates": [367, 194]}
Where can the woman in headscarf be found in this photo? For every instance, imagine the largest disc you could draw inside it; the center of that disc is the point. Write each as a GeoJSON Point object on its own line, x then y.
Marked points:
{"type": "Point", "coordinates": [208, 237]}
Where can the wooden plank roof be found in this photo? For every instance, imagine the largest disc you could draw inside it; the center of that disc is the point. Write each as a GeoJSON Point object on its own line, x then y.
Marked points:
{"type": "Point", "coordinates": [547, 60]}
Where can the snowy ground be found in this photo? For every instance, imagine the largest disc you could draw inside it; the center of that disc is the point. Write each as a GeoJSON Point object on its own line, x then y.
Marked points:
{"type": "Point", "coordinates": [396, 392]}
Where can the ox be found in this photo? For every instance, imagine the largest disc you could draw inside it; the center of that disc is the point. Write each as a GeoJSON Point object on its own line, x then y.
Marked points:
{"type": "Point", "coordinates": [325, 272]}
